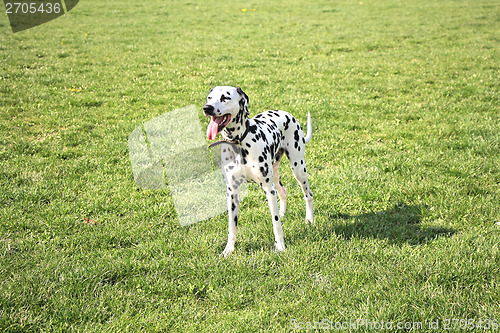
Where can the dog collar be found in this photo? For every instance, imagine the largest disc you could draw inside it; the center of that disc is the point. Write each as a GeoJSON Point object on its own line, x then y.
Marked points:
{"type": "Point", "coordinates": [232, 142]}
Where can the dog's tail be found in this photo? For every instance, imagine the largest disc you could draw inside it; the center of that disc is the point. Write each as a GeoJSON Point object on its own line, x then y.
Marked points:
{"type": "Point", "coordinates": [309, 128]}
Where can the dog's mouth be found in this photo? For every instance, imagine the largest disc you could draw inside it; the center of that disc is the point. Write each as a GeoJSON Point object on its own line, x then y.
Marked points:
{"type": "Point", "coordinates": [216, 125]}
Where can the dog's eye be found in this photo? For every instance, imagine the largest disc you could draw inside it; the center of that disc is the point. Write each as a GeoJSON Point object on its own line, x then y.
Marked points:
{"type": "Point", "coordinates": [209, 97]}
{"type": "Point", "coordinates": [223, 98]}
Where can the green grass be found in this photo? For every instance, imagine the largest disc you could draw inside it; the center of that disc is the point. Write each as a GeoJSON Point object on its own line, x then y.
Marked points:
{"type": "Point", "coordinates": [404, 165]}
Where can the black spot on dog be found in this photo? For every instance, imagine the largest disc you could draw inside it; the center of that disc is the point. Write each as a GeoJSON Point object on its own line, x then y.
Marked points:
{"type": "Point", "coordinates": [264, 170]}
{"type": "Point", "coordinates": [276, 218]}
{"type": "Point", "coordinates": [264, 138]}
{"type": "Point", "coordinates": [238, 117]}
{"type": "Point", "coordinates": [287, 122]}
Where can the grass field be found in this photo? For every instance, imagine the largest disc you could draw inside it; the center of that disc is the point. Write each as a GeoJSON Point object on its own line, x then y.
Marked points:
{"type": "Point", "coordinates": [404, 165]}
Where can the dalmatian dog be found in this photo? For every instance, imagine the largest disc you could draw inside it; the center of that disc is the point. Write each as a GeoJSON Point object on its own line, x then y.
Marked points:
{"type": "Point", "coordinates": [254, 148]}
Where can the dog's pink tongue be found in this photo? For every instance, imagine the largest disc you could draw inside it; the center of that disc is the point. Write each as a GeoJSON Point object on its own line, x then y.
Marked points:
{"type": "Point", "coordinates": [212, 129]}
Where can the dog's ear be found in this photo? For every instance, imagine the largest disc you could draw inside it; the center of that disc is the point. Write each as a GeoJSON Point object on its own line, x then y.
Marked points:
{"type": "Point", "coordinates": [244, 100]}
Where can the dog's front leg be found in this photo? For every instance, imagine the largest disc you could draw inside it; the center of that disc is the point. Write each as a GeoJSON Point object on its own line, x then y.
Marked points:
{"type": "Point", "coordinates": [279, 238]}
{"type": "Point", "coordinates": [233, 203]}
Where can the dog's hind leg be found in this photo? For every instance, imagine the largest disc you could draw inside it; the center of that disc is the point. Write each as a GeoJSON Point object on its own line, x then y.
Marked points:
{"type": "Point", "coordinates": [279, 187]}
{"type": "Point", "coordinates": [279, 238]}
{"type": "Point", "coordinates": [300, 173]}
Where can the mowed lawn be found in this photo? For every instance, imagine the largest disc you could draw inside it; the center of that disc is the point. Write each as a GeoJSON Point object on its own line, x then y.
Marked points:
{"type": "Point", "coordinates": [404, 165]}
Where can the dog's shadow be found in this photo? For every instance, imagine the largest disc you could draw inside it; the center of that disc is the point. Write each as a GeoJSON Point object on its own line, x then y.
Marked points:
{"type": "Point", "coordinates": [398, 224]}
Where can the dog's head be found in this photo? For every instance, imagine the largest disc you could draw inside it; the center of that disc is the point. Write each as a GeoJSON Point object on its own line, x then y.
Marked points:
{"type": "Point", "coordinates": [227, 107]}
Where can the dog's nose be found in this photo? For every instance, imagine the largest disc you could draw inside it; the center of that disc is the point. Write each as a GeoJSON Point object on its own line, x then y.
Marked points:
{"type": "Point", "coordinates": [208, 110]}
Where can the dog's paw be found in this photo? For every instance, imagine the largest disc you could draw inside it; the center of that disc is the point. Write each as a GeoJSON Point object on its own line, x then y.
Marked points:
{"type": "Point", "coordinates": [279, 246]}
{"type": "Point", "coordinates": [228, 250]}
{"type": "Point", "coordinates": [282, 209]}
